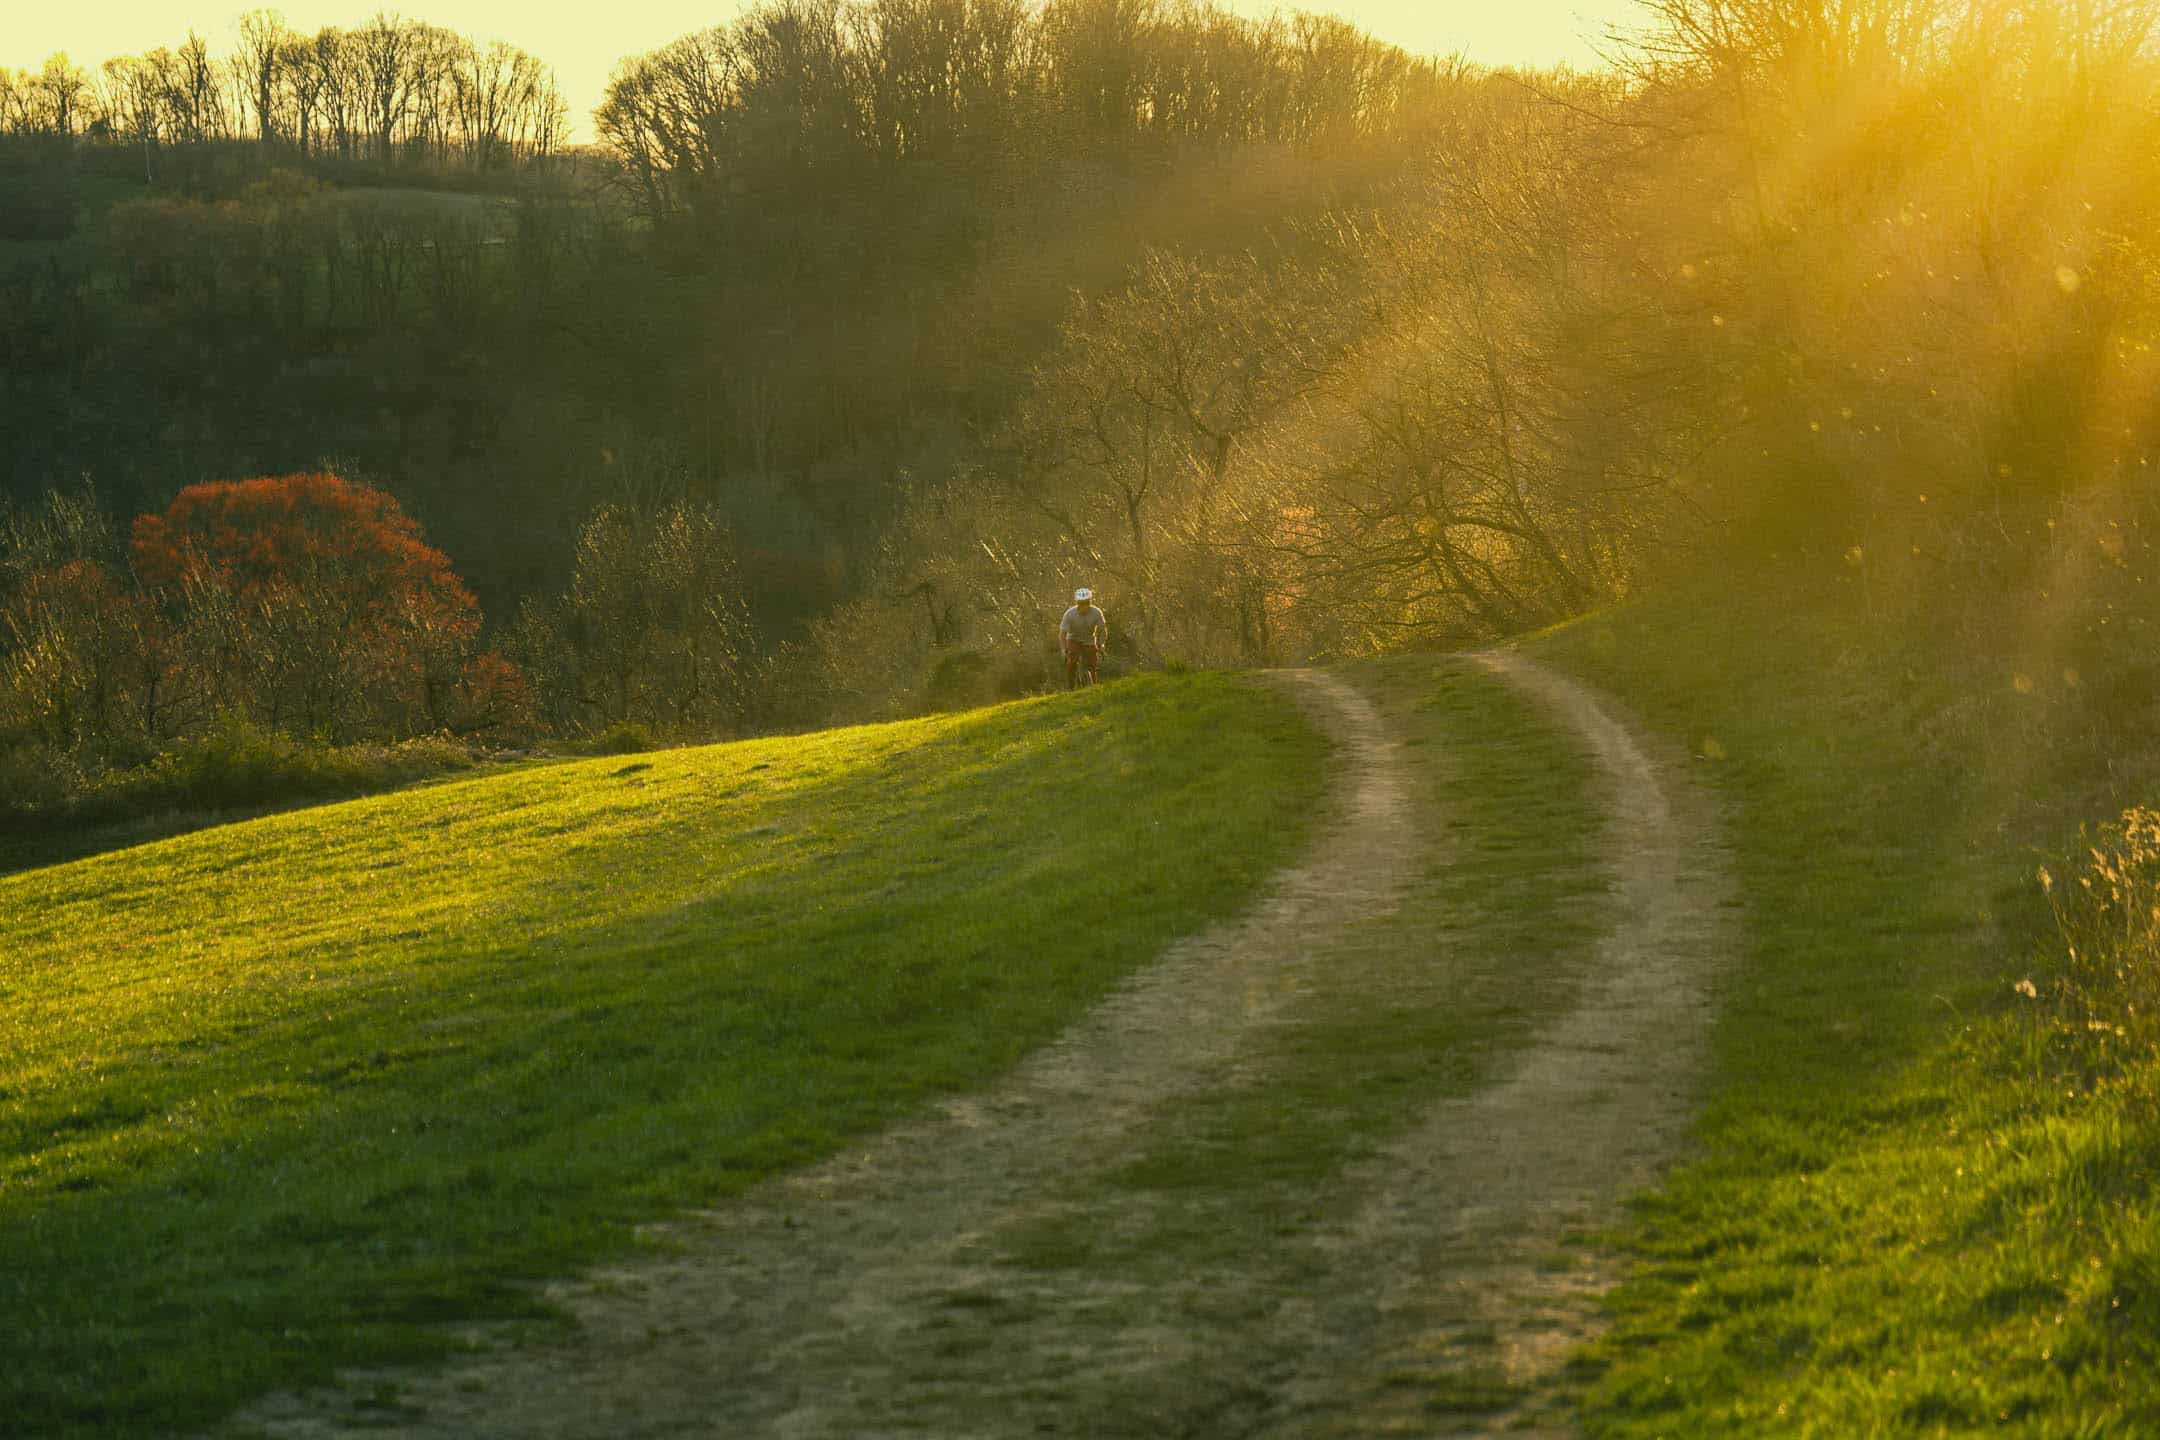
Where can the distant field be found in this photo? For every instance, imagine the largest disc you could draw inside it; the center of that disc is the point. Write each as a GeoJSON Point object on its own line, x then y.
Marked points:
{"type": "Point", "coordinates": [469, 204]}
{"type": "Point", "coordinates": [277, 1096]}
{"type": "Point", "coordinates": [487, 214]}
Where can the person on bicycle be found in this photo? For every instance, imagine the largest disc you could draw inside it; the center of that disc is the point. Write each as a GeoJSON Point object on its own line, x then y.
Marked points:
{"type": "Point", "coordinates": [1082, 634]}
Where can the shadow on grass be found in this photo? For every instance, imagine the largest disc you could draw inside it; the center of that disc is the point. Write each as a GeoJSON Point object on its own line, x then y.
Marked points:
{"type": "Point", "coordinates": [315, 1156]}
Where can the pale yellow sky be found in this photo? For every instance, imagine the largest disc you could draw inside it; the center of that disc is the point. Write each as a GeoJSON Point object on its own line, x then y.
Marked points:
{"type": "Point", "coordinates": [583, 41]}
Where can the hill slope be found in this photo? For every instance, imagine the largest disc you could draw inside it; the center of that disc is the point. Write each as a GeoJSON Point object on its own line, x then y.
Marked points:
{"type": "Point", "coordinates": [320, 1079]}
{"type": "Point", "coordinates": [1301, 1175]}
{"type": "Point", "coordinates": [1924, 1202]}
{"type": "Point", "coordinates": [368, 1067]}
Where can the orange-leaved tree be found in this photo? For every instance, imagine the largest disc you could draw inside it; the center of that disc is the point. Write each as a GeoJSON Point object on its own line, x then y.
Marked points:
{"type": "Point", "coordinates": [337, 618]}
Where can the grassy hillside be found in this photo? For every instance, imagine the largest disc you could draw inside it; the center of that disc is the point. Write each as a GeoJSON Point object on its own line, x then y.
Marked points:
{"type": "Point", "coordinates": [1924, 1204]}
{"type": "Point", "coordinates": [327, 1078]}
{"type": "Point", "coordinates": [275, 1096]}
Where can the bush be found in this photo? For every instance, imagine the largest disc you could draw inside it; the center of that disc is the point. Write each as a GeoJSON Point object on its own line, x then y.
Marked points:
{"type": "Point", "coordinates": [958, 680]}
{"type": "Point", "coordinates": [236, 765]}
{"type": "Point", "coordinates": [624, 737]}
{"type": "Point", "coordinates": [495, 699]}
{"type": "Point", "coordinates": [1023, 673]}
{"type": "Point", "coordinates": [652, 630]}
{"type": "Point", "coordinates": [2103, 1002]}
{"type": "Point", "coordinates": [36, 780]}
{"type": "Point", "coordinates": [343, 620]}
{"type": "Point", "coordinates": [963, 679]}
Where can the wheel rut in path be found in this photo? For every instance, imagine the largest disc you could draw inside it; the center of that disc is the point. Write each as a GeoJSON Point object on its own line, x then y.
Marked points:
{"type": "Point", "coordinates": [1467, 1218]}
{"type": "Point", "coordinates": [873, 1294]}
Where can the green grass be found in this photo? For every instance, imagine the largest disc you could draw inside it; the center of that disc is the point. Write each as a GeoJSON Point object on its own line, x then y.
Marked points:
{"type": "Point", "coordinates": [283, 1096]}
{"type": "Point", "coordinates": [324, 1080]}
{"type": "Point", "coordinates": [54, 813]}
{"type": "Point", "coordinates": [1921, 1207]}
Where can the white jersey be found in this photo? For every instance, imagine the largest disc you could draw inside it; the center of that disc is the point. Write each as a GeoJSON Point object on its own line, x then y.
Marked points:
{"type": "Point", "coordinates": [1084, 625]}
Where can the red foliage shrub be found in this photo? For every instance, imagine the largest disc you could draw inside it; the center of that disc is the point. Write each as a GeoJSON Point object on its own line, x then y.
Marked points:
{"type": "Point", "coordinates": [352, 623]}
{"type": "Point", "coordinates": [254, 533]}
{"type": "Point", "coordinates": [495, 701]}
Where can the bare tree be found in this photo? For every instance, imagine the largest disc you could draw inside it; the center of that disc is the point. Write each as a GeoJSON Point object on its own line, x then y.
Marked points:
{"type": "Point", "coordinates": [133, 102]}
{"type": "Point", "coordinates": [385, 48]}
{"type": "Point", "coordinates": [667, 117]}
{"type": "Point", "coordinates": [52, 101]}
{"type": "Point", "coordinates": [259, 68]}
{"type": "Point", "coordinates": [194, 93]}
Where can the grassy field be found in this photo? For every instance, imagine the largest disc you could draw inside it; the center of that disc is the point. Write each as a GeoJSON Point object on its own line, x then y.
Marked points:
{"type": "Point", "coordinates": [1924, 1204]}
{"type": "Point", "coordinates": [281, 1096]}
{"type": "Point", "coordinates": [286, 1095]}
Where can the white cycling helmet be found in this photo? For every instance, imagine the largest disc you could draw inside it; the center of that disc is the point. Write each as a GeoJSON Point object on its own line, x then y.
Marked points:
{"type": "Point", "coordinates": [1082, 595]}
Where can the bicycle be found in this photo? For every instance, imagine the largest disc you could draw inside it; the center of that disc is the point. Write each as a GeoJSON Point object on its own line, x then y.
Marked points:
{"type": "Point", "coordinates": [1082, 665]}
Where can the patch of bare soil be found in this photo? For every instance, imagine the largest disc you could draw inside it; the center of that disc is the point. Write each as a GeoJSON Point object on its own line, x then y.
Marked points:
{"type": "Point", "coordinates": [1431, 1292]}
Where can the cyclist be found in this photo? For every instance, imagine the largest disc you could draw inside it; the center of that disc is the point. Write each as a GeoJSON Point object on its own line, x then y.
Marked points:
{"type": "Point", "coordinates": [1082, 634]}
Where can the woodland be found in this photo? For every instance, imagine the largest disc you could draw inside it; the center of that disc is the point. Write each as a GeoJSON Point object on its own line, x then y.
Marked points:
{"type": "Point", "coordinates": [870, 328]}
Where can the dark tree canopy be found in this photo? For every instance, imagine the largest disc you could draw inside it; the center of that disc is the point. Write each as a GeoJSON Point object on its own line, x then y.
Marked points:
{"type": "Point", "coordinates": [1294, 343]}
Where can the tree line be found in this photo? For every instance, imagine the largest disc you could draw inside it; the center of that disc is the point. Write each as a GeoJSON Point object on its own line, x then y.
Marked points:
{"type": "Point", "coordinates": [985, 87]}
{"type": "Point", "coordinates": [1873, 288]}
{"type": "Point", "coordinates": [389, 90]}
{"type": "Point", "coordinates": [1290, 344]}
{"type": "Point", "coordinates": [312, 606]}
{"type": "Point", "coordinates": [801, 354]}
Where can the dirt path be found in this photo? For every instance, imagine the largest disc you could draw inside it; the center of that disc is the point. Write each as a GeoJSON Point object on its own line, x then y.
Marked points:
{"type": "Point", "coordinates": [1468, 1215]}
{"type": "Point", "coordinates": [875, 1295]}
